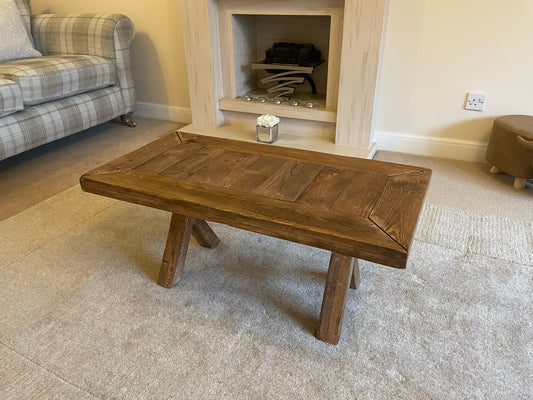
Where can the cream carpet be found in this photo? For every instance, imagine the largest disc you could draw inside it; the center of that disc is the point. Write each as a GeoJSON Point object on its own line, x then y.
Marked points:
{"type": "Point", "coordinates": [82, 318]}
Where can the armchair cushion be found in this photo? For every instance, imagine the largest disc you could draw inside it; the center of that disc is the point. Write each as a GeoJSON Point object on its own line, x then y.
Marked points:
{"type": "Point", "coordinates": [15, 40]}
{"type": "Point", "coordinates": [50, 121]}
{"type": "Point", "coordinates": [54, 77]}
{"type": "Point", "coordinates": [10, 97]}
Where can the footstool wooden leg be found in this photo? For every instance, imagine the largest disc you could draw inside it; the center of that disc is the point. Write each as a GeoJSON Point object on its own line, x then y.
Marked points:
{"type": "Point", "coordinates": [519, 183]}
{"type": "Point", "coordinates": [495, 170]}
{"type": "Point", "coordinates": [204, 235]}
{"type": "Point", "coordinates": [337, 285]}
{"type": "Point", "coordinates": [178, 238]}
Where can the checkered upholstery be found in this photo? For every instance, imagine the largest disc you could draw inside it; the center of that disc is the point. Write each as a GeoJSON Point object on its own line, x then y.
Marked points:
{"type": "Point", "coordinates": [10, 97]}
{"type": "Point", "coordinates": [103, 35]}
{"type": "Point", "coordinates": [86, 58]}
{"type": "Point", "coordinates": [46, 122]}
{"type": "Point", "coordinates": [49, 78]}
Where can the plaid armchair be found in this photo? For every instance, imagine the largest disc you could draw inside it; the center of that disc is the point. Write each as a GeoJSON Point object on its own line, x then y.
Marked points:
{"type": "Point", "coordinates": [82, 79]}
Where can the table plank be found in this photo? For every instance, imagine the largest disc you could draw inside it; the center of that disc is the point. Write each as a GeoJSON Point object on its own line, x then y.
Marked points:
{"type": "Point", "coordinates": [167, 159]}
{"type": "Point", "coordinates": [289, 181]}
{"type": "Point", "coordinates": [253, 174]}
{"type": "Point", "coordinates": [195, 161]}
{"type": "Point", "coordinates": [324, 190]}
{"type": "Point", "coordinates": [360, 194]}
{"type": "Point", "coordinates": [214, 172]}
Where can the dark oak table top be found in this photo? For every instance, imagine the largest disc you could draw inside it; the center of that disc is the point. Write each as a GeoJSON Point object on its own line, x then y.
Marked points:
{"type": "Point", "coordinates": [356, 207]}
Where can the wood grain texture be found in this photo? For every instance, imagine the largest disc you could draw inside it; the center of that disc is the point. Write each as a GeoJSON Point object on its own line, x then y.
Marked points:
{"type": "Point", "coordinates": [278, 195]}
{"type": "Point", "coordinates": [335, 293]}
{"type": "Point", "coordinates": [256, 171]}
{"type": "Point", "coordinates": [194, 162]}
{"type": "Point", "coordinates": [361, 51]}
{"type": "Point", "coordinates": [356, 275]}
{"type": "Point", "coordinates": [283, 7]}
{"type": "Point", "coordinates": [175, 253]}
{"type": "Point", "coordinates": [202, 55]}
{"type": "Point", "coordinates": [324, 190]}
{"type": "Point", "coordinates": [289, 181]}
{"type": "Point", "coordinates": [398, 208]}
{"type": "Point", "coordinates": [360, 194]}
{"type": "Point", "coordinates": [334, 58]}
{"type": "Point", "coordinates": [167, 159]}
{"type": "Point", "coordinates": [212, 173]}
{"type": "Point", "coordinates": [204, 235]}
{"type": "Point", "coordinates": [141, 155]}
{"type": "Point", "coordinates": [283, 110]}
{"type": "Point", "coordinates": [337, 161]}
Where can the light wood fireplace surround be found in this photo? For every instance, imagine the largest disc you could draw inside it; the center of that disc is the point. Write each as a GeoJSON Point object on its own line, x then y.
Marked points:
{"type": "Point", "coordinates": [222, 38]}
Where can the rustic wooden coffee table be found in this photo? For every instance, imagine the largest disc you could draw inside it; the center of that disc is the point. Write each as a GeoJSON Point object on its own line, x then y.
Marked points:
{"type": "Point", "coordinates": [355, 208]}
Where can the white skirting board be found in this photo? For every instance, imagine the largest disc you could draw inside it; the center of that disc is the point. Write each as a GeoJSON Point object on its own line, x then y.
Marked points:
{"type": "Point", "coordinates": [455, 149]}
{"type": "Point", "coordinates": [401, 142]}
{"type": "Point", "coordinates": [163, 112]}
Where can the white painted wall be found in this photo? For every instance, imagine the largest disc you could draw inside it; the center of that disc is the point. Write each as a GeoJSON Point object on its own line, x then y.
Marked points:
{"type": "Point", "coordinates": [435, 52]}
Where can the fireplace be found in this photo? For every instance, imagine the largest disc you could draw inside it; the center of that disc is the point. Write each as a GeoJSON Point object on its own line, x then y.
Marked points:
{"type": "Point", "coordinates": [224, 38]}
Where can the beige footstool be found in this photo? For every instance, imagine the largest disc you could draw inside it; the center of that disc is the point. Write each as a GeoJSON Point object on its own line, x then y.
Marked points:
{"type": "Point", "coordinates": [511, 148]}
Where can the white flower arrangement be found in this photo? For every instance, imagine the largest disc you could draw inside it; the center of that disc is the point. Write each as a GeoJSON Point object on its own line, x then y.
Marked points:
{"type": "Point", "coordinates": [267, 121]}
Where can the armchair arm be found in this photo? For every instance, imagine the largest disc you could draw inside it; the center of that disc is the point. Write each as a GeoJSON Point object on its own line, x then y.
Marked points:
{"type": "Point", "coordinates": [94, 34]}
{"type": "Point", "coordinates": [104, 35]}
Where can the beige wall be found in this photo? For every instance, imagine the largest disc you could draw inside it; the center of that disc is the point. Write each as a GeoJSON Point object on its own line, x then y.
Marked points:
{"type": "Point", "coordinates": [435, 52]}
{"type": "Point", "coordinates": [158, 67]}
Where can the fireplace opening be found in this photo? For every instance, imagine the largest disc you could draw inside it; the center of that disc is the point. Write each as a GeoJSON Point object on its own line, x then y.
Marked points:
{"type": "Point", "coordinates": [254, 34]}
{"type": "Point", "coordinates": [245, 48]}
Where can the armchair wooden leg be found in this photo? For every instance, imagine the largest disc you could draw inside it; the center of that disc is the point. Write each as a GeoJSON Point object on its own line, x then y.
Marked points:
{"type": "Point", "coordinates": [126, 119]}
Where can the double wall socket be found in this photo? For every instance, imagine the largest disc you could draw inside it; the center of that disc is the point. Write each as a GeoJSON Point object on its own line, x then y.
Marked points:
{"type": "Point", "coordinates": [476, 101]}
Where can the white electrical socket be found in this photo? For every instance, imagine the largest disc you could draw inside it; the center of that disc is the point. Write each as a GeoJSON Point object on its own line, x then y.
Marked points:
{"type": "Point", "coordinates": [476, 101]}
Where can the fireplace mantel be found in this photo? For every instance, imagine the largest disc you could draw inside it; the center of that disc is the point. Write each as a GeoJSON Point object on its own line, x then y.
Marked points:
{"type": "Point", "coordinates": [222, 37]}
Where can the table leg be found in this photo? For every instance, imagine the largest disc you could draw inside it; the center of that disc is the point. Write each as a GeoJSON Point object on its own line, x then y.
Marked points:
{"type": "Point", "coordinates": [173, 262]}
{"type": "Point", "coordinates": [356, 276]}
{"type": "Point", "coordinates": [203, 233]}
{"type": "Point", "coordinates": [338, 282]}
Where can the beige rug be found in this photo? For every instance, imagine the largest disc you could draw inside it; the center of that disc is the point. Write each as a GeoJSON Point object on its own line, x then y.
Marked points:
{"type": "Point", "coordinates": [82, 318]}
